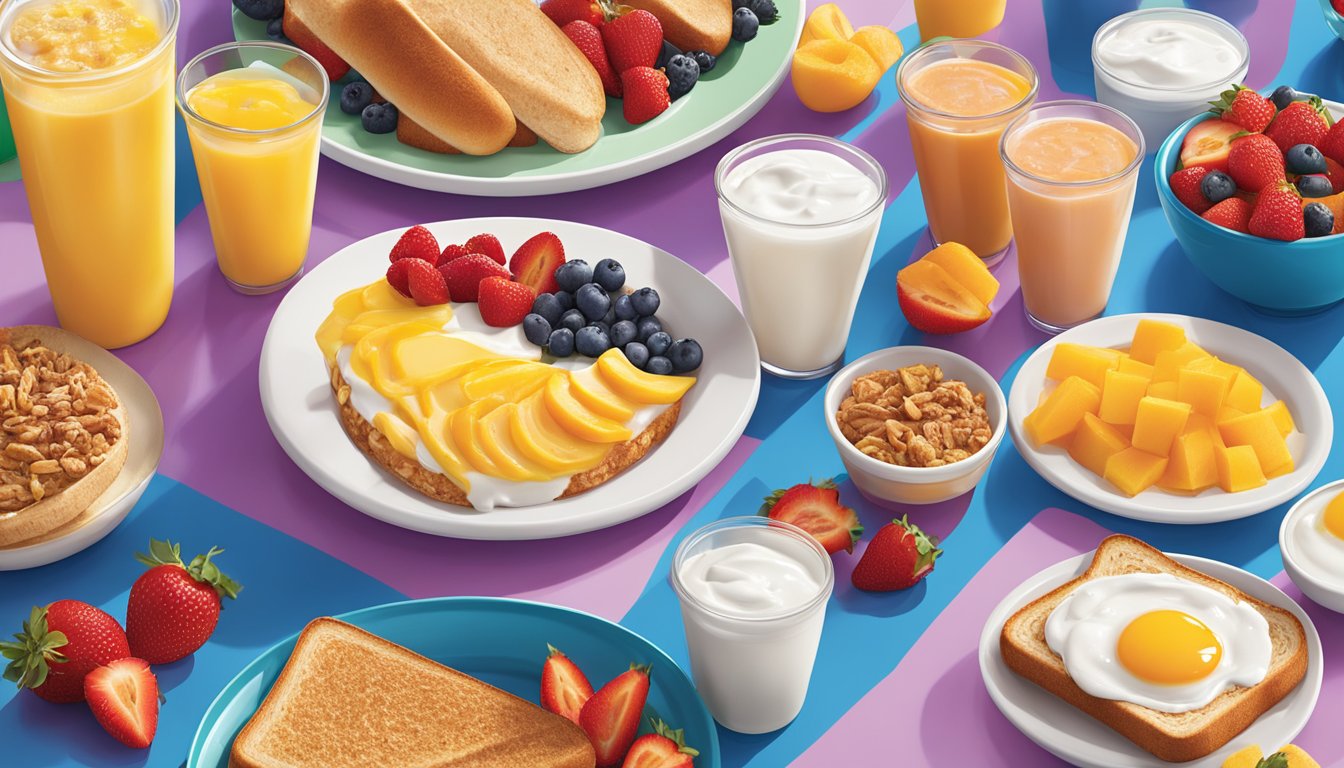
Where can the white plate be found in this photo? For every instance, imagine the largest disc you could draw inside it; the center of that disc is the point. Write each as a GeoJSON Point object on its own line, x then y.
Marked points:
{"type": "Point", "coordinates": [297, 398]}
{"type": "Point", "coordinates": [142, 460]}
{"type": "Point", "coordinates": [1283, 376]}
{"type": "Point", "coordinates": [1069, 734]}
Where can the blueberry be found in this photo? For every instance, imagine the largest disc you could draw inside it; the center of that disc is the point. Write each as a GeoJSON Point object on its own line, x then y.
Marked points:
{"type": "Point", "coordinates": [355, 97]}
{"type": "Point", "coordinates": [645, 301]}
{"type": "Point", "coordinates": [740, 4]}
{"type": "Point", "coordinates": [683, 73]}
{"type": "Point", "coordinates": [765, 11]}
{"type": "Point", "coordinates": [637, 354]}
{"type": "Point", "coordinates": [685, 355]}
{"type": "Point", "coordinates": [623, 333]}
{"type": "Point", "coordinates": [1314, 186]}
{"type": "Point", "coordinates": [566, 300]}
{"type": "Point", "coordinates": [573, 274]}
{"type": "Point", "coordinates": [658, 343]}
{"type": "Point", "coordinates": [1319, 219]}
{"type": "Point", "coordinates": [745, 27]}
{"type": "Point", "coordinates": [592, 301]}
{"type": "Point", "coordinates": [379, 118]}
{"type": "Point", "coordinates": [261, 10]}
{"type": "Point", "coordinates": [609, 274]}
{"type": "Point", "coordinates": [705, 59]}
{"type": "Point", "coordinates": [598, 324]}
{"type": "Point", "coordinates": [548, 306]}
{"type": "Point", "coordinates": [537, 329]}
{"type": "Point", "coordinates": [1217, 186]}
{"type": "Point", "coordinates": [573, 319]}
{"type": "Point", "coordinates": [561, 343]}
{"type": "Point", "coordinates": [665, 55]}
{"type": "Point", "coordinates": [659, 365]}
{"type": "Point", "coordinates": [1304, 158]}
{"type": "Point", "coordinates": [592, 341]}
{"type": "Point", "coordinates": [1283, 96]}
{"type": "Point", "coordinates": [275, 29]}
{"type": "Point", "coordinates": [610, 318]}
{"type": "Point", "coordinates": [623, 308]}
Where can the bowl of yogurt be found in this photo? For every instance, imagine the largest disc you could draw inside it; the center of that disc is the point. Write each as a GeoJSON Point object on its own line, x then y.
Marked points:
{"type": "Point", "coordinates": [1311, 540]}
{"type": "Point", "coordinates": [1161, 65]}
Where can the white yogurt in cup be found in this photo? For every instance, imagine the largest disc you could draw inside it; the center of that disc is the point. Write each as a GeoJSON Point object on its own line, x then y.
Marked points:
{"type": "Point", "coordinates": [1162, 66]}
{"type": "Point", "coordinates": [800, 215]}
{"type": "Point", "coordinates": [753, 600]}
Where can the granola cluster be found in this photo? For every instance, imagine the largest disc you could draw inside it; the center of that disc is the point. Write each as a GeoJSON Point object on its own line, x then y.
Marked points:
{"type": "Point", "coordinates": [913, 417]}
{"type": "Point", "coordinates": [56, 423]}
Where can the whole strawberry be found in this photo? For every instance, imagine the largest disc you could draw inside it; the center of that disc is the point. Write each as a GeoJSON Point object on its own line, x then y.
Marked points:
{"type": "Point", "coordinates": [816, 508]}
{"type": "Point", "coordinates": [174, 606]}
{"type": "Point", "coordinates": [646, 95]}
{"type": "Point", "coordinates": [1332, 146]}
{"type": "Point", "coordinates": [1278, 214]}
{"type": "Point", "coordinates": [1245, 107]}
{"type": "Point", "coordinates": [563, 12]}
{"type": "Point", "coordinates": [60, 645]}
{"type": "Point", "coordinates": [633, 40]}
{"type": "Point", "coordinates": [1233, 213]}
{"type": "Point", "coordinates": [425, 283]}
{"type": "Point", "coordinates": [487, 244]}
{"type": "Point", "coordinates": [463, 276]}
{"type": "Point", "coordinates": [898, 557]}
{"type": "Point", "coordinates": [504, 303]}
{"type": "Point", "coordinates": [416, 243]}
{"type": "Point", "coordinates": [1255, 162]}
{"type": "Point", "coordinates": [1301, 122]}
{"type": "Point", "coordinates": [1185, 185]}
{"type": "Point", "coordinates": [588, 40]}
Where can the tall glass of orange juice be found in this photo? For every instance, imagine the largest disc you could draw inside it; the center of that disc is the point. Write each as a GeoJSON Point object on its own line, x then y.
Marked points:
{"type": "Point", "coordinates": [957, 18]}
{"type": "Point", "coordinates": [1072, 170]}
{"type": "Point", "coordinates": [89, 89]}
{"type": "Point", "coordinates": [254, 116]}
{"type": "Point", "coordinates": [959, 95]}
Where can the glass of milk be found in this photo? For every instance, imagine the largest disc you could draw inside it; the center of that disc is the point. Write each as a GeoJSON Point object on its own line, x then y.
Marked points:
{"type": "Point", "coordinates": [800, 215]}
{"type": "Point", "coordinates": [753, 600]}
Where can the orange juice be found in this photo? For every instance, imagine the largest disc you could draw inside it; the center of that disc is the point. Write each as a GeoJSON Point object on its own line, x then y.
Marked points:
{"type": "Point", "coordinates": [1072, 171]}
{"type": "Point", "coordinates": [959, 96]}
{"type": "Point", "coordinates": [957, 18]}
{"type": "Point", "coordinates": [255, 133]}
{"type": "Point", "coordinates": [89, 89]}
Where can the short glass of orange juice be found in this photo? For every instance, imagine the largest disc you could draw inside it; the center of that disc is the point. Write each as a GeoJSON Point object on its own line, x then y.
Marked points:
{"type": "Point", "coordinates": [254, 116]}
{"type": "Point", "coordinates": [1072, 170]}
{"type": "Point", "coordinates": [959, 96]}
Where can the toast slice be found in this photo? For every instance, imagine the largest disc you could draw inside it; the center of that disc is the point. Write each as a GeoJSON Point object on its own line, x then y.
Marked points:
{"type": "Point", "coordinates": [1176, 737]}
{"type": "Point", "coordinates": [692, 25]}
{"type": "Point", "coordinates": [348, 698]}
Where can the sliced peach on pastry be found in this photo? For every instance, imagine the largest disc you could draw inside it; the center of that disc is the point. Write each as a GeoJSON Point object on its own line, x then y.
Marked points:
{"type": "Point", "coordinates": [541, 438]}
{"type": "Point", "coordinates": [513, 382]}
{"type": "Point", "coordinates": [645, 388]}
{"type": "Point", "coordinates": [495, 434]}
{"type": "Point", "coordinates": [578, 419]}
{"type": "Point", "coordinates": [591, 389]}
{"type": "Point", "coordinates": [462, 426]}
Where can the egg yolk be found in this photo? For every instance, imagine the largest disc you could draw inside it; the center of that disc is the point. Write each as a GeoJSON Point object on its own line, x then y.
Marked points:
{"type": "Point", "coordinates": [1333, 519]}
{"type": "Point", "coordinates": [1169, 648]}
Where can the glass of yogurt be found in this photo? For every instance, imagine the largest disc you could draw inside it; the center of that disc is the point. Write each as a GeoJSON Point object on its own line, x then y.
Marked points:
{"type": "Point", "coordinates": [800, 215]}
{"type": "Point", "coordinates": [753, 600]}
{"type": "Point", "coordinates": [1160, 66]}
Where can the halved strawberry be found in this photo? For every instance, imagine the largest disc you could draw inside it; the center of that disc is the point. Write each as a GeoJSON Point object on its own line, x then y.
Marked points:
{"type": "Point", "coordinates": [816, 508]}
{"type": "Point", "coordinates": [664, 748]}
{"type": "Point", "coordinates": [611, 717]}
{"type": "Point", "coordinates": [564, 687]}
{"type": "Point", "coordinates": [303, 37]}
{"type": "Point", "coordinates": [935, 302]}
{"type": "Point", "coordinates": [398, 276]}
{"type": "Point", "coordinates": [124, 697]}
{"type": "Point", "coordinates": [487, 244]}
{"type": "Point", "coordinates": [535, 262]}
{"type": "Point", "coordinates": [1208, 143]}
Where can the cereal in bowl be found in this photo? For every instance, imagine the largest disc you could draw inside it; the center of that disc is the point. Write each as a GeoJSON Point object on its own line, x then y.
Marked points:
{"type": "Point", "coordinates": [913, 417]}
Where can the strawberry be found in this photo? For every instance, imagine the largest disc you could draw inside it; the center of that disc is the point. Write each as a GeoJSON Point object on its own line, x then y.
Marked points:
{"type": "Point", "coordinates": [564, 12]}
{"type": "Point", "coordinates": [1207, 144]}
{"type": "Point", "coordinates": [59, 645]}
{"type": "Point", "coordinates": [1278, 214]}
{"type": "Point", "coordinates": [1301, 122]}
{"type": "Point", "coordinates": [589, 42]}
{"type": "Point", "coordinates": [646, 95]}
{"type": "Point", "coordinates": [1245, 107]}
{"type": "Point", "coordinates": [1255, 162]}
{"type": "Point", "coordinates": [1233, 213]}
{"type": "Point", "coordinates": [1332, 146]}
{"type": "Point", "coordinates": [611, 717]}
{"type": "Point", "coordinates": [898, 557]}
{"type": "Point", "coordinates": [633, 40]}
{"type": "Point", "coordinates": [564, 687]}
{"type": "Point", "coordinates": [535, 262]}
{"type": "Point", "coordinates": [416, 243]}
{"type": "Point", "coordinates": [816, 508]}
{"type": "Point", "coordinates": [1338, 5]}
{"type": "Point", "coordinates": [426, 283]}
{"type": "Point", "coordinates": [450, 252]}
{"type": "Point", "coordinates": [504, 303]}
{"type": "Point", "coordinates": [303, 37]}
{"type": "Point", "coordinates": [664, 748]}
{"type": "Point", "coordinates": [174, 606]}
{"type": "Point", "coordinates": [124, 697]}
{"type": "Point", "coordinates": [1185, 185]}
{"type": "Point", "coordinates": [487, 244]}
{"type": "Point", "coordinates": [397, 276]}
{"type": "Point", "coordinates": [465, 274]}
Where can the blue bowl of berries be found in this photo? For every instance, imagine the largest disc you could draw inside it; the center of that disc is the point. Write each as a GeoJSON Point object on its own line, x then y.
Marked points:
{"type": "Point", "coordinates": [1256, 219]}
{"type": "Point", "coordinates": [1332, 10]}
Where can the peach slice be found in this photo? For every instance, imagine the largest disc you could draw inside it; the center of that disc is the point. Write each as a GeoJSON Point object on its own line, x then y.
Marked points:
{"type": "Point", "coordinates": [834, 75]}
{"type": "Point", "coordinates": [966, 268]}
{"type": "Point", "coordinates": [576, 418]}
{"type": "Point", "coordinates": [462, 426]}
{"type": "Point", "coordinates": [827, 22]}
{"type": "Point", "coordinates": [541, 438]}
{"type": "Point", "coordinates": [935, 302]}
{"type": "Point", "coordinates": [880, 43]}
{"type": "Point", "coordinates": [591, 389]}
{"type": "Point", "coordinates": [495, 435]}
{"type": "Point", "coordinates": [513, 382]}
{"type": "Point", "coordinates": [633, 384]}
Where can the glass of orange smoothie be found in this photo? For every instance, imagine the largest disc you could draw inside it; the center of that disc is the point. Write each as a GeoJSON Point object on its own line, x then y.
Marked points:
{"type": "Point", "coordinates": [254, 116]}
{"type": "Point", "coordinates": [1072, 170]}
{"type": "Point", "coordinates": [89, 89]}
{"type": "Point", "coordinates": [959, 96]}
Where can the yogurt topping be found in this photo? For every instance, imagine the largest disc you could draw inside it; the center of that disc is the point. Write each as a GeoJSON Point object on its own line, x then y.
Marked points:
{"type": "Point", "coordinates": [1317, 541]}
{"type": "Point", "coordinates": [800, 186]}
{"type": "Point", "coordinates": [749, 579]}
{"type": "Point", "coordinates": [1168, 53]}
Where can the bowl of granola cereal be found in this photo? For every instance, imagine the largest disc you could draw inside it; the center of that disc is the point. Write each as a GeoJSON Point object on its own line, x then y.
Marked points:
{"type": "Point", "coordinates": [915, 425]}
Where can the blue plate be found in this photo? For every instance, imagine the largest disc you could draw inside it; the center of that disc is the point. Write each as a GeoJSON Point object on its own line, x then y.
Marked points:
{"type": "Point", "coordinates": [502, 642]}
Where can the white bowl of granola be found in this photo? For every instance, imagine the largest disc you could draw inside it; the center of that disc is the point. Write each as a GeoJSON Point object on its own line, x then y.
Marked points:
{"type": "Point", "coordinates": [915, 425]}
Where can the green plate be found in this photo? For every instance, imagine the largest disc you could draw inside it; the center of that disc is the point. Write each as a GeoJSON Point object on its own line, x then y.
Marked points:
{"type": "Point", "coordinates": [743, 81]}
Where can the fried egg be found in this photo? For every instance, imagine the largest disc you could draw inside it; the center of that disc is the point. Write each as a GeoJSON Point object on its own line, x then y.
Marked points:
{"type": "Point", "coordinates": [1158, 640]}
{"type": "Point", "coordinates": [1319, 538]}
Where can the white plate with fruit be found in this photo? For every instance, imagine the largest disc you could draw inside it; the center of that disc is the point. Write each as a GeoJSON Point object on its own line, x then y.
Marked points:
{"type": "Point", "coordinates": [1221, 424]}
{"type": "Point", "coordinates": [508, 429]}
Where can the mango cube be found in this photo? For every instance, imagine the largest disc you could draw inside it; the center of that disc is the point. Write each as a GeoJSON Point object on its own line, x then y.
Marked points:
{"type": "Point", "coordinates": [1238, 469]}
{"type": "Point", "coordinates": [1129, 365]}
{"type": "Point", "coordinates": [1259, 431]}
{"type": "Point", "coordinates": [1120, 396]}
{"type": "Point", "coordinates": [1192, 466]}
{"type": "Point", "coordinates": [1227, 413]}
{"type": "Point", "coordinates": [1212, 364]}
{"type": "Point", "coordinates": [1170, 362]}
{"type": "Point", "coordinates": [1164, 389]}
{"type": "Point", "coordinates": [1133, 470]}
{"type": "Point", "coordinates": [1204, 390]}
{"type": "Point", "coordinates": [1095, 442]}
{"type": "Point", "coordinates": [1152, 337]}
{"type": "Point", "coordinates": [1198, 422]}
{"type": "Point", "coordinates": [1246, 392]}
{"type": "Point", "coordinates": [1283, 419]}
{"type": "Point", "coordinates": [1059, 415]}
{"type": "Point", "coordinates": [1157, 424]}
{"type": "Point", "coordinates": [1087, 363]}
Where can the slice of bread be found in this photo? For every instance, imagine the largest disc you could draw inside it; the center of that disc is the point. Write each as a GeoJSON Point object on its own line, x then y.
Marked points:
{"type": "Point", "coordinates": [350, 699]}
{"type": "Point", "coordinates": [692, 25]}
{"type": "Point", "coordinates": [1176, 737]}
{"type": "Point", "coordinates": [412, 134]}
